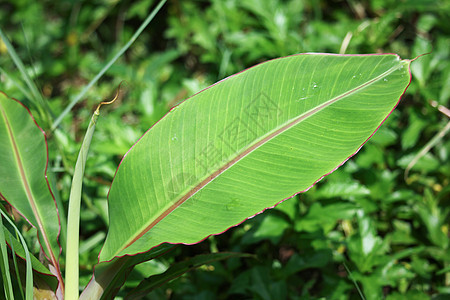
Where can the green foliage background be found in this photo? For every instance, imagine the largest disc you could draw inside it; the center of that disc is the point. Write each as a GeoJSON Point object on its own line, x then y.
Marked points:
{"type": "Point", "coordinates": [364, 226]}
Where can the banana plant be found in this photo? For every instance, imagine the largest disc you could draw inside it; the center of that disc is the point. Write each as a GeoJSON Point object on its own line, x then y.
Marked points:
{"type": "Point", "coordinates": [231, 151]}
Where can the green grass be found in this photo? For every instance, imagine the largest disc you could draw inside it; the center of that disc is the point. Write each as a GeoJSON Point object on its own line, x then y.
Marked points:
{"type": "Point", "coordinates": [26, 290]}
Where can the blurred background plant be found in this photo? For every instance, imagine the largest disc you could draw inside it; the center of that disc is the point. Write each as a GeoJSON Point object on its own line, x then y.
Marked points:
{"type": "Point", "coordinates": [364, 231]}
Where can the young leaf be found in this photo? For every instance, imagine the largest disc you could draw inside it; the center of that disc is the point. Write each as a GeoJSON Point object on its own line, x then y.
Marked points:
{"type": "Point", "coordinates": [73, 220]}
{"type": "Point", "coordinates": [245, 144]}
{"type": "Point", "coordinates": [23, 168]}
{"type": "Point", "coordinates": [73, 216]}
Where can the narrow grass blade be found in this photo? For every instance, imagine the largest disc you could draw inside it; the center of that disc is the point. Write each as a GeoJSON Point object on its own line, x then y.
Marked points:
{"type": "Point", "coordinates": [15, 244]}
{"type": "Point", "coordinates": [108, 65]}
{"type": "Point", "coordinates": [16, 267]}
{"type": "Point", "coordinates": [361, 294]}
{"type": "Point", "coordinates": [29, 269]}
{"type": "Point", "coordinates": [43, 283]}
{"type": "Point", "coordinates": [436, 139]}
{"type": "Point", "coordinates": [36, 98]}
{"type": "Point", "coordinates": [7, 284]}
{"type": "Point", "coordinates": [16, 83]}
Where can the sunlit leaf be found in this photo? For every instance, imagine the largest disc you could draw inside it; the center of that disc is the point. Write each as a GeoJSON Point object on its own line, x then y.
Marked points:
{"type": "Point", "coordinates": [245, 144]}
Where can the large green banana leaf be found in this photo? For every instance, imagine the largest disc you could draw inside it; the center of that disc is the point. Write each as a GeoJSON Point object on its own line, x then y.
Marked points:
{"type": "Point", "coordinates": [23, 179]}
{"type": "Point", "coordinates": [245, 144]}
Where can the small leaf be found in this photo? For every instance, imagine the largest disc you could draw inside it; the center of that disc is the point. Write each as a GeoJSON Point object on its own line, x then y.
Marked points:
{"type": "Point", "coordinates": [325, 217]}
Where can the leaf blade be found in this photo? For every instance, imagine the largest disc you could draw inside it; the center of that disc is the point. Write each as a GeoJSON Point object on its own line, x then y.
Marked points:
{"type": "Point", "coordinates": [232, 140]}
{"type": "Point", "coordinates": [24, 174]}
